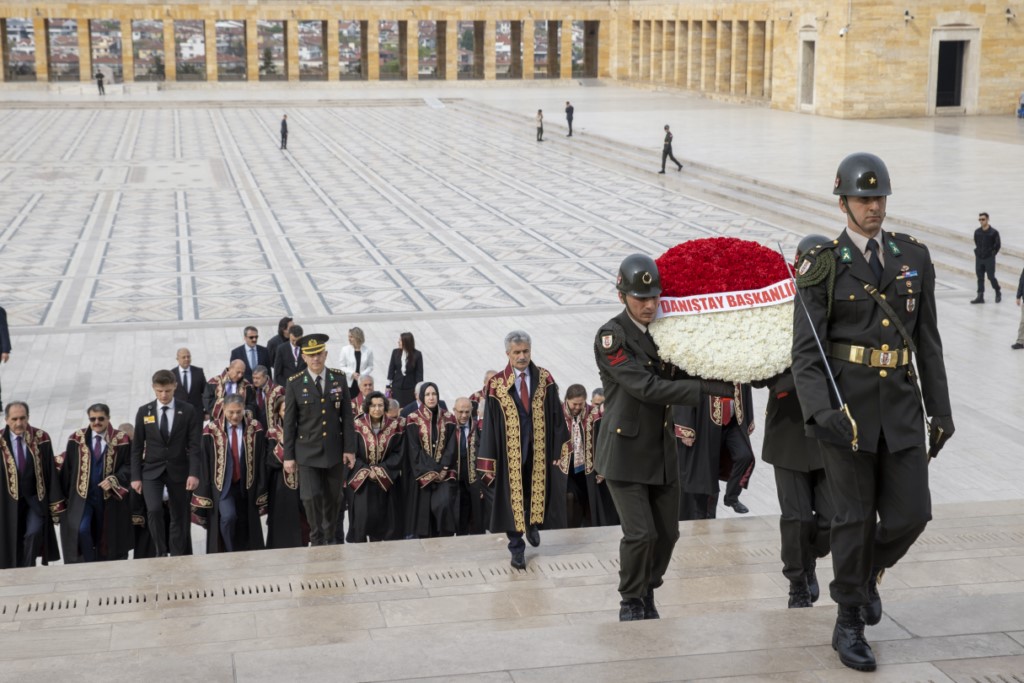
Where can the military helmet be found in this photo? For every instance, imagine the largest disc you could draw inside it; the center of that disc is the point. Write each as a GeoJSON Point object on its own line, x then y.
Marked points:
{"type": "Point", "coordinates": [810, 242]}
{"type": "Point", "coordinates": [862, 175]}
{"type": "Point", "coordinates": [638, 276]}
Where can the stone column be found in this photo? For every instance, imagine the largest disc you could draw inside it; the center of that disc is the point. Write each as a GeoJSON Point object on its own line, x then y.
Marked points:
{"type": "Point", "coordinates": [170, 51]}
{"type": "Point", "coordinates": [740, 57]}
{"type": "Point", "coordinates": [85, 73]}
{"type": "Point", "coordinates": [291, 49]}
{"type": "Point", "coordinates": [723, 72]}
{"type": "Point", "coordinates": [565, 51]}
{"type": "Point", "coordinates": [252, 49]}
{"type": "Point", "coordinates": [645, 50]}
{"type": "Point", "coordinates": [210, 45]}
{"type": "Point", "coordinates": [515, 67]}
{"type": "Point", "coordinates": [682, 53]}
{"type": "Point", "coordinates": [332, 52]}
{"type": "Point", "coordinates": [490, 50]}
{"type": "Point", "coordinates": [451, 49]}
{"type": "Point", "coordinates": [412, 50]}
{"type": "Point", "coordinates": [41, 36]}
{"type": "Point", "coordinates": [529, 30]}
{"type": "Point", "coordinates": [669, 73]}
{"type": "Point", "coordinates": [708, 55]}
{"type": "Point", "coordinates": [657, 50]}
{"type": "Point", "coordinates": [127, 49]}
{"type": "Point", "coordinates": [372, 53]}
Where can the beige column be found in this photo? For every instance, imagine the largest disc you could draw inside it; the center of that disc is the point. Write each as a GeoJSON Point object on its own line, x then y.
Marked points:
{"type": "Point", "coordinates": [529, 36]}
{"type": "Point", "coordinates": [210, 45]}
{"type": "Point", "coordinates": [694, 69]}
{"type": "Point", "coordinates": [740, 57]}
{"type": "Point", "coordinates": [372, 55]}
{"type": "Point", "coordinates": [657, 50]}
{"type": "Point", "coordinates": [769, 57]}
{"type": "Point", "coordinates": [723, 70]}
{"type": "Point", "coordinates": [127, 50]}
{"type": "Point", "coordinates": [708, 55]}
{"type": "Point", "coordinates": [42, 40]}
{"type": "Point", "coordinates": [682, 53]}
{"type": "Point", "coordinates": [451, 48]}
{"type": "Point", "coordinates": [565, 51]}
{"type": "Point", "coordinates": [333, 51]}
{"type": "Point", "coordinates": [291, 49]}
{"type": "Point", "coordinates": [84, 51]}
{"type": "Point", "coordinates": [669, 73]}
{"type": "Point", "coordinates": [490, 50]}
{"type": "Point", "coordinates": [755, 60]}
{"type": "Point", "coordinates": [412, 49]}
{"type": "Point", "coordinates": [252, 49]}
{"type": "Point", "coordinates": [645, 49]}
{"type": "Point", "coordinates": [170, 53]}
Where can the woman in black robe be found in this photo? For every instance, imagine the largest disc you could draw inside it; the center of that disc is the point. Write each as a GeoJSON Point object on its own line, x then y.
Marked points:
{"type": "Point", "coordinates": [431, 502]}
{"type": "Point", "coordinates": [286, 518]}
{"type": "Point", "coordinates": [378, 464]}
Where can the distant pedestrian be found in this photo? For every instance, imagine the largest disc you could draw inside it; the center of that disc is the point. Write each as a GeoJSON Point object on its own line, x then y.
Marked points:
{"type": "Point", "coordinates": [568, 116]}
{"type": "Point", "coordinates": [540, 126]}
{"type": "Point", "coordinates": [1019, 344]}
{"type": "Point", "coordinates": [99, 82]}
{"type": "Point", "coordinates": [284, 132]}
{"type": "Point", "coordinates": [666, 151]}
{"type": "Point", "coordinates": [986, 246]}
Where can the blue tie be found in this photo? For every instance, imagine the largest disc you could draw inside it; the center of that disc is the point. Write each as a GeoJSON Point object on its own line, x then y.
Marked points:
{"type": "Point", "coordinates": [873, 260]}
{"type": "Point", "coordinates": [252, 357]}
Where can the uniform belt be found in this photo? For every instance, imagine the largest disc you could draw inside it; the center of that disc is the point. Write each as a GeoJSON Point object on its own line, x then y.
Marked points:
{"type": "Point", "coordinates": [873, 358]}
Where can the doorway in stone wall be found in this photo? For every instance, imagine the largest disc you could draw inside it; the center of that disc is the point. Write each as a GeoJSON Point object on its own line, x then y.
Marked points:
{"type": "Point", "coordinates": [950, 77]}
{"type": "Point", "coordinates": [953, 70]}
{"type": "Point", "coordinates": [807, 75]}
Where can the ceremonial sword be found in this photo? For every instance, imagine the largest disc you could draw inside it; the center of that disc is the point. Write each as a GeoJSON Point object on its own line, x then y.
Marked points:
{"type": "Point", "coordinates": [821, 349]}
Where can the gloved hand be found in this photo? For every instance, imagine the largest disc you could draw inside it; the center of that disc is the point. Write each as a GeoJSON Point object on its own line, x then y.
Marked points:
{"type": "Point", "coordinates": [937, 439]}
{"type": "Point", "coordinates": [836, 422]}
{"type": "Point", "coordinates": [717, 388]}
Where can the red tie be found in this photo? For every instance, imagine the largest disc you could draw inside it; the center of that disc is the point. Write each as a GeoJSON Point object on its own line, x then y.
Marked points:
{"type": "Point", "coordinates": [259, 397]}
{"type": "Point", "coordinates": [236, 472]}
{"type": "Point", "coordinates": [524, 392]}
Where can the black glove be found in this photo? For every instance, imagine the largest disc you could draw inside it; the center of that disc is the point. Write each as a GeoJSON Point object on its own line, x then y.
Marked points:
{"type": "Point", "coordinates": [938, 433]}
{"type": "Point", "coordinates": [836, 422]}
{"type": "Point", "coordinates": [717, 388]}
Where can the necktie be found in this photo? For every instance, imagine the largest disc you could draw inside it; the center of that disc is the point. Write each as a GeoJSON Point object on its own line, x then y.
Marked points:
{"type": "Point", "coordinates": [19, 453]}
{"type": "Point", "coordinates": [524, 392]}
{"type": "Point", "coordinates": [97, 448]}
{"type": "Point", "coordinates": [230, 389]}
{"type": "Point", "coordinates": [295, 350]}
{"type": "Point", "coordinates": [165, 431]}
{"type": "Point", "coordinates": [236, 473]}
{"type": "Point", "coordinates": [184, 379]}
{"type": "Point", "coordinates": [320, 385]}
{"type": "Point", "coordinates": [259, 397]}
{"type": "Point", "coordinates": [462, 442]}
{"type": "Point", "coordinates": [873, 260]}
{"type": "Point", "coordinates": [252, 357]}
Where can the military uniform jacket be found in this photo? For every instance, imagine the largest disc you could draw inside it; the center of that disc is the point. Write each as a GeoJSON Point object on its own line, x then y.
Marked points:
{"type": "Point", "coordinates": [785, 442]}
{"type": "Point", "coordinates": [318, 428]}
{"type": "Point", "coordinates": [882, 401]}
{"type": "Point", "coordinates": [636, 442]}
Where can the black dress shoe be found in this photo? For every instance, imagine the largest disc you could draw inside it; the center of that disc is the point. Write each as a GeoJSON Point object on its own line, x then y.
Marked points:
{"type": "Point", "coordinates": [812, 584]}
{"type": "Point", "coordinates": [738, 507]}
{"type": "Point", "coordinates": [533, 536]}
{"type": "Point", "coordinates": [518, 560]}
{"type": "Point", "coordinates": [999, 295]}
{"type": "Point", "coordinates": [680, 167]}
{"type": "Point", "coordinates": [872, 612]}
{"type": "Point", "coordinates": [1017, 346]}
{"type": "Point", "coordinates": [661, 172]}
{"type": "Point", "coordinates": [631, 609]}
{"type": "Point", "coordinates": [978, 300]}
{"type": "Point", "coordinates": [650, 609]}
{"type": "Point", "coordinates": [799, 596]}
{"type": "Point", "coordinates": [849, 642]}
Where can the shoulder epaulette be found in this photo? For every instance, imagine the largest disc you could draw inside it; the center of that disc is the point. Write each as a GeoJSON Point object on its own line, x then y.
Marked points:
{"type": "Point", "coordinates": [297, 375]}
{"type": "Point", "coordinates": [902, 237]}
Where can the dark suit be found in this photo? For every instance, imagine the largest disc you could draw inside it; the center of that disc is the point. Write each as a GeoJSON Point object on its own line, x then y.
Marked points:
{"type": "Point", "coordinates": [887, 478]}
{"type": "Point", "coordinates": [242, 353]}
{"type": "Point", "coordinates": [196, 387]}
{"type": "Point", "coordinates": [5, 344]}
{"type": "Point", "coordinates": [403, 386]}
{"type": "Point", "coordinates": [159, 462]}
{"type": "Point", "coordinates": [285, 364]}
{"type": "Point", "coordinates": [318, 429]}
{"type": "Point", "coordinates": [636, 450]}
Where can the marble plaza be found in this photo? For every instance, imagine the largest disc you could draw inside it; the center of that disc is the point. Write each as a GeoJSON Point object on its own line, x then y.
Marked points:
{"type": "Point", "coordinates": [142, 223]}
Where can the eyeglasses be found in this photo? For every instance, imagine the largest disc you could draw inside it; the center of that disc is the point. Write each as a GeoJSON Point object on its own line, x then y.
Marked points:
{"type": "Point", "coordinates": [982, 219]}
{"type": "Point", "coordinates": [252, 338]}
{"type": "Point", "coordinates": [97, 419]}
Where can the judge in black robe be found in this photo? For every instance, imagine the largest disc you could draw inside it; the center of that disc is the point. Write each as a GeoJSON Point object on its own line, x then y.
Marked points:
{"type": "Point", "coordinates": [378, 463]}
{"type": "Point", "coordinates": [97, 524]}
{"type": "Point", "coordinates": [232, 496]}
{"type": "Point", "coordinates": [587, 488]}
{"type": "Point", "coordinates": [521, 443]}
{"type": "Point", "coordinates": [430, 493]}
{"type": "Point", "coordinates": [472, 509]}
{"type": "Point", "coordinates": [286, 516]}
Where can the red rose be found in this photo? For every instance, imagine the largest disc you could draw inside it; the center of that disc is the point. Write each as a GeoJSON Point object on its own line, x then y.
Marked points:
{"type": "Point", "coordinates": [719, 264]}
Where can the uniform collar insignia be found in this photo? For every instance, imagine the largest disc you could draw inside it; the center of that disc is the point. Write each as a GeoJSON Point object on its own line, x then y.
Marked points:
{"type": "Point", "coordinates": [893, 248]}
{"type": "Point", "coordinates": [845, 255]}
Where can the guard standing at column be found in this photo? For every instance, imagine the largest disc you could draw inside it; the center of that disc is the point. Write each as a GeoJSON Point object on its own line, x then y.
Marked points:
{"type": "Point", "coordinates": [865, 316]}
{"type": "Point", "coordinates": [636, 451]}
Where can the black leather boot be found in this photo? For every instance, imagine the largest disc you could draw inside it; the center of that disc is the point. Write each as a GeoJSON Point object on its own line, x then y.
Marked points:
{"type": "Point", "coordinates": [848, 640]}
{"type": "Point", "coordinates": [872, 612]}
{"type": "Point", "coordinates": [799, 596]}
{"type": "Point", "coordinates": [631, 609]}
{"type": "Point", "coordinates": [812, 582]}
{"type": "Point", "coordinates": [650, 609]}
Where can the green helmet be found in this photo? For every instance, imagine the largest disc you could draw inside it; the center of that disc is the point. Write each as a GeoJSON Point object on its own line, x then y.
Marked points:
{"type": "Point", "coordinates": [862, 175]}
{"type": "Point", "coordinates": [810, 242]}
{"type": "Point", "coordinates": [638, 276]}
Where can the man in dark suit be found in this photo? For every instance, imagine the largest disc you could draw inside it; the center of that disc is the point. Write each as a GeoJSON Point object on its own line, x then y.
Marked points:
{"type": "Point", "coordinates": [319, 437]}
{"type": "Point", "coordinates": [636, 450]}
{"type": "Point", "coordinates": [5, 346]}
{"type": "Point", "coordinates": [870, 302]}
{"type": "Point", "coordinates": [251, 353]}
{"type": "Point", "coordinates": [165, 452]}
{"type": "Point", "coordinates": [288, 357]}
{"type": "Point", "coordinates": [191, 381]}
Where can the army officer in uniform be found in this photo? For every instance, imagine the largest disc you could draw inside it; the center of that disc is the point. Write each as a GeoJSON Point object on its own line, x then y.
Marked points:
{"type": "Point", "coordinates": [870, 299]}
{"type": "Point", "coordinates": [319, 437]}
{"type": "Point", "coordinates": [636, 452]}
